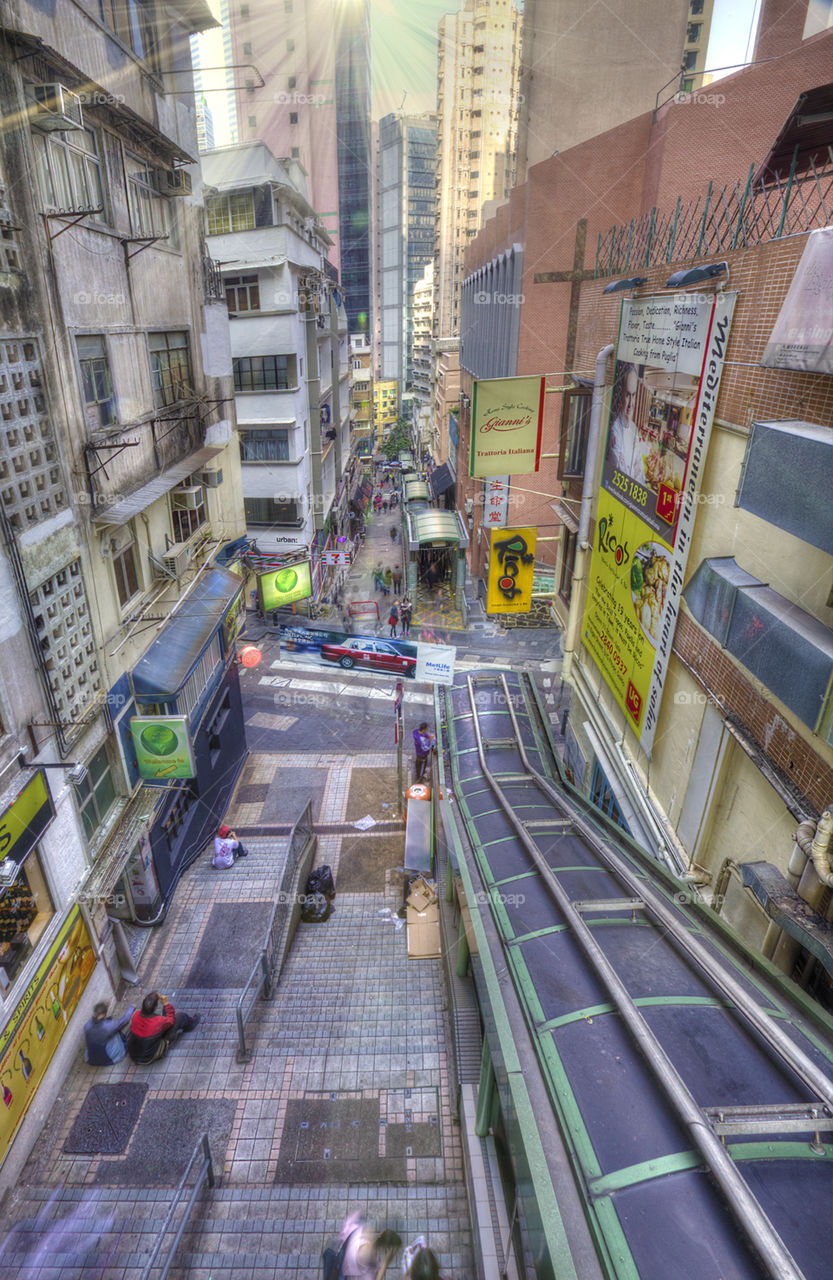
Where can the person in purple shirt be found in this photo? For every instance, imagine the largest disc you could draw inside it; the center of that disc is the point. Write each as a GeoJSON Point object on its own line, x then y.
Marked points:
{"type": "Point", "coordinates": [103, 1038]}
{"type": "Point", "coordinates": [424, 744]}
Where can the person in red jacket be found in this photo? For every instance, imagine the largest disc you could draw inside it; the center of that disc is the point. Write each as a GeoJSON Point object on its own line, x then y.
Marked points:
{"type": "Point", "coordinates": [152, 1033]}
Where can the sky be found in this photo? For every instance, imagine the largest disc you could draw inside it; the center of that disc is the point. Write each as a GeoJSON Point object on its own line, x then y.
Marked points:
{"type": "Point", "coordinates": [404, 52]}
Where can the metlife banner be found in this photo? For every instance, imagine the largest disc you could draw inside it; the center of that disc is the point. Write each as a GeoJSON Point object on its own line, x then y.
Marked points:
{"type": "Point", "coordinates": [669, 364]}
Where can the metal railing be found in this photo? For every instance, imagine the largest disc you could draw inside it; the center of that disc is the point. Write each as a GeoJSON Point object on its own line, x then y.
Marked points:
{"type": "Point", "coordinates": [286, 912]}
{"type": "Point", "coordinates": [263, 966]}
{"type": "Point", "coordinates": [206, 1173]}
{"type": "Point", "coordinates": [736, 216]}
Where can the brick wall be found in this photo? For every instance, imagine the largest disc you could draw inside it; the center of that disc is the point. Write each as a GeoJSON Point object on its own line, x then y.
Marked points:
{"type": "Point", "coordinates": [735, 692]}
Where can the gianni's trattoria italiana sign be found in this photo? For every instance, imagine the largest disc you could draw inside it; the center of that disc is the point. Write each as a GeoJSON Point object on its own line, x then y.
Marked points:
{"type": "Point", "coordinates": [668, 368]}
{"type": "Point", "coordinates": [507, 416]}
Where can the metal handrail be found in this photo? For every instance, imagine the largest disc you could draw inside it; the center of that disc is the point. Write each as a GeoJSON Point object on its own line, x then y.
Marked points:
{"type": "Point", "coordinates": [263, 964]}
{"type": "Point", "coordinates": [760, 1232]}
{"type": "Point", "coordinates": [206, 1171]}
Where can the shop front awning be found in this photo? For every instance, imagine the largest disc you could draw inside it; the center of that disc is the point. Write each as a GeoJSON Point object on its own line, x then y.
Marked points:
{"type": "Point", "coordinates": [120, 512]}
{"type": "Point", "coordinates": [437, 528]}
{"type": "Point", "coordinates": [167, 664]}
{"type": "Point", "coordinates": [417, 491]}
{"type": "Point", "coordinates": [442, 480]}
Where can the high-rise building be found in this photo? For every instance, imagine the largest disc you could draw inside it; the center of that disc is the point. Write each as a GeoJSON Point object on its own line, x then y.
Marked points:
{"type": "Point", "coordinates": [352, 88]}
{"type": "Point", "coordinates": [641, 54]}
{"type": "Point", "coordinates": [205, 126]}
{"type": "Point", "coordinates": [406, 167]}
{"type": "Point", "coordinates": [478, 67]}
{"type": "Point", "coordinates": [313, 105]}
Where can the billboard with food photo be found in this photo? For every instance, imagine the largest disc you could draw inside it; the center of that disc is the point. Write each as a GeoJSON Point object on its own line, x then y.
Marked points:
{"type": "Point", "coordinates": [669, 362]}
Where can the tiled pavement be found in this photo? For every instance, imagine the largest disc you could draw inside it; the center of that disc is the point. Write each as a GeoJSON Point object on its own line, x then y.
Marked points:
{"type": "Point", "coordinates": [355, 1039]}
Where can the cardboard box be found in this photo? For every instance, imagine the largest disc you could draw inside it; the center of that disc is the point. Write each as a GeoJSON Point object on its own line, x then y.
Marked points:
{"type": "Point", "coordinates": [423, 893]}
{"type": "Point", "coordinates": [424, 932]}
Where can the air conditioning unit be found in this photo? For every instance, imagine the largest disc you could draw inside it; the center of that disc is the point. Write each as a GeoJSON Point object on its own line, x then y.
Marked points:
{"type": "Point", "coordinates": [187, 499]}
{"type": "Point", "coordinates": [212, 479]}
{"type": "Point", "coordinates": [172, 182]}
{"type": "Point", "coordinates": [57, 108]}
{"type": "Point", "coordinates": [176, 559]}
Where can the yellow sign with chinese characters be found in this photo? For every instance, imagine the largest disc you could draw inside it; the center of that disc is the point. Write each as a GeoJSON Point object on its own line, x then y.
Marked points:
{"type": "Point", "coordinates": [511, 566]}
{"type": "Point", "coordinates": [507, 419]}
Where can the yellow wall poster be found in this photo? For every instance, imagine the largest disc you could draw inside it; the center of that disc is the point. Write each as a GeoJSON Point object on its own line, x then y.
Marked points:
{"type": "Point", "coordinates": [31, 1036]}
{"type": "Point", "coordinates": [626, 591]}
{"type": "Point", "coordinates": [511, 567]}
{"type": "Point", "coordinates": [507, 418]}
{"type": "Point", "coordinates": [669, 362]}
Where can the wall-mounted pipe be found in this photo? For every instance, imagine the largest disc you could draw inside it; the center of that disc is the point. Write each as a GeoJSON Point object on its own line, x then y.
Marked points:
{"type": "Point", "coordinates": [814, 839]}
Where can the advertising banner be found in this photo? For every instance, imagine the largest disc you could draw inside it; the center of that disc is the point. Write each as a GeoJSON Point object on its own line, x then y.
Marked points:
{"type": "Point", "coordinates": [26, 819]}
{"type": "Point", "coordinates": [669, 363]}
{"type": "Point", "coordinates": [233, 620]}
{"type": "Point", "coordinates": [496, 502]}
{"type": "Point", "coordinates": [378, 654]}
{"type": "Point", "coordinates": [803, 335]}
{"type": "Point", "coordinates": [511, 568]}
{"type": "Point", "coordinates": [285, 586]}
{"type": "Point", "coordinates": [31, 1036]}
{"type": "Point", "coordinates": [163, 747]}
{"type": "Point", "coordinates": [507, 418]}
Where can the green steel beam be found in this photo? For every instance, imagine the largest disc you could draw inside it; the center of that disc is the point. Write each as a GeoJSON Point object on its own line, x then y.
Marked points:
{"type": "Point", "coordinates": [645, 1171]}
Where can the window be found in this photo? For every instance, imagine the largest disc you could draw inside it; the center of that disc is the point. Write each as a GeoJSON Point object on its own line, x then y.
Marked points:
{"type": "Point", "coordinates": [697, 6]}
{"type": "Point", "coordinates": [170, 367]}
{"type": "Point", "coordinates": [70, 170]}
{"type": "Point", "coordinates": [187, 520]}
{"type": "Point", "coordinates": [126, 572]}
{"type": "Point", "coordinates": [96, 383]}
{"type": "Point", "coordinates": [252, 122]}
{"type": "Point", "coordinates": [575, 423]}
{"type": "Point", "coordinates": [199, 679]}
{"type": "Point", "coordinates": [250, 87]}
{"type": "Point", "coordinates": [230, 213]}
{"type": "Point", "coordinates": [244, 11]}
{"type": "Point", "coordinates": [247, 49]}
{"type": "Point", "coordinates": [293, 117]}
{"type": "Point", "coordinates": [689, 61]}
{"type": "Point", "coordinates": [287, 6]}
{"type": "Point", "coordinates": [693, 32]}
{"type": "Point", "coordinates": [292, 82]}
{"type": "Point", "coordinates": [264, 373]}
{"type": "Point", "coordinates": [242, 293]}
{"type": "Point", "coordinates": [688, 85]}
{"type": "Point", "coordinates": [296, 153]}
{"type": "Point", "coordinates": [96, 795]}
{"type": "Point", "coordinates": [25, 909]}
{"type": "Point", "coordinates": [290, 46]}
{"type": "Point", "coordinates": [150, 213]}
{"type": "Point", "coordinates": [271, 511]}
{"type": "Point", "coordinates": [568, 563]}
{"type": "Point", "coordinates": [133, 23]}
{"type": "Point", "coordinates": [267, 445]}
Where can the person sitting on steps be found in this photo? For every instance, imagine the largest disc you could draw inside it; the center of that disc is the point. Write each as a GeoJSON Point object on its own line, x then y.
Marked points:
{"type": "Point", "coordinates": [153, 1032]}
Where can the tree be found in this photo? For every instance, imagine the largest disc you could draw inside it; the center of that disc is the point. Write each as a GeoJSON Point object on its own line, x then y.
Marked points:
{"type": "Point", "coordinates": [399, 439]}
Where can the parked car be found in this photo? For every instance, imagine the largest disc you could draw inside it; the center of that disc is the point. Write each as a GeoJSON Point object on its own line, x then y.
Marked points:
{"type": "Point", "coordinates": [366, 651]}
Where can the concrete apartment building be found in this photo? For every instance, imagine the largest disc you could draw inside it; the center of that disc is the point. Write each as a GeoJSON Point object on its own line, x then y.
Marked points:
{"type": "Point", "coordinates": [361, 393]}
{"type": "Point", "coordinates": [742, 745]}
{"type": "Point", "coordinates": [404, 234]}
{"type": "Point", "coordinates": [314, 106]}
{"type": "Point", "coordinates": [289, 350]}
{"type": "Point", "coordinates": [478, 77]}
{"type": "Point", "coordinates": [120, 496]}
{"type": "Point", "coordinates": [385, 407]}
{"type": "Point", "coordinates": [422, 309]}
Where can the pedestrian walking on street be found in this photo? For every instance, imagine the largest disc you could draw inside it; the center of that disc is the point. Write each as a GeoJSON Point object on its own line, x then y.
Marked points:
{"type": "Point", "coordinates": [385, 506]}
{"type": "Point", "coordinates": [397, 581]}
{"type": "Point", "coordinates": [424, 744]}
{"type": "Point", "coordinates": [393, 619]}
{"type": "Point", "coordinates": [393, 533]}
{"type": "Point", "coordinates": [388, 577]}
{"type": "Point", "coordinates": [405, 610]}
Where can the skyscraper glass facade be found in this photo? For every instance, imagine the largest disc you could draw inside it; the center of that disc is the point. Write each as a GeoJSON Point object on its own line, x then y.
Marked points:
{"type": "Point", "coordinates": [352, 87]}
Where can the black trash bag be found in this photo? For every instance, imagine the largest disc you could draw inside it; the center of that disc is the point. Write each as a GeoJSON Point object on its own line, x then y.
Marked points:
{"type": "Point", "coordinates": [315, 908]}
{"type": "Point", "coordinates": [320, 880]}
